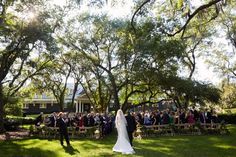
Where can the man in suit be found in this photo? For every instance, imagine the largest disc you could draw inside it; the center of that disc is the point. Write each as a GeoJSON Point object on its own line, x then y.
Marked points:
{"type": "Point", "coordinates": [131, 126]}
{"type": "Point", "coordinates": [53, 120]}
{"type": "Point", "coordinates": [62, 123]}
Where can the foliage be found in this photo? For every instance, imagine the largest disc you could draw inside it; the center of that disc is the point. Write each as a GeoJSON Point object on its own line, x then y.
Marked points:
{"type": "Point", "coordinates": [21, 120]}
{"type": "Point", "coordinates": [11, 124]}
{"type": "Point", "coordinates": [184, 90]}
{"type": "Point", "coordinates": [228, 97]}
{"type": "Point", "coordinates": [114, 61]}
{"type": "Point", "coordinates": [22, 41]}
{"type": "Point", "coordinates": [177, 16]}
{"type": "Point", "coordinates": [54, 79]}
{"type": "Point", "coordinates": [117, 63]}
{"type": "Point", "coordinates": [13, 109]}
{"type": "Point", "coordinates": [231, 111]}
{"type": "Point", "coordinates": [223, 57]}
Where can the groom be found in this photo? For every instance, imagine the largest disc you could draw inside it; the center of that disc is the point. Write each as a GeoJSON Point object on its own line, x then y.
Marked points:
{"type": "Point", "coordinates": [62, 123]}
{"type": "Point", "coordinates": [131, 126]}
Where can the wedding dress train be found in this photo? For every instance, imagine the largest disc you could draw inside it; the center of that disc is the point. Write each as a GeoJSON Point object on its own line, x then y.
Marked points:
{"type": "Point", "coordinates": [122, 144]}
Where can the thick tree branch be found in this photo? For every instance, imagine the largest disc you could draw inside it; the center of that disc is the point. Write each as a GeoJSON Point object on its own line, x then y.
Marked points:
{"type": "Point", "coordinates": [190, 16]}
{"type": "Point", "coordinates": [136, 12]}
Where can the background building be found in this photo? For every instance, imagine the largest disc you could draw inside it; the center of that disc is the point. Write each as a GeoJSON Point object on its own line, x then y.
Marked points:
{"type": "Point", "coordinates": [48, 104]}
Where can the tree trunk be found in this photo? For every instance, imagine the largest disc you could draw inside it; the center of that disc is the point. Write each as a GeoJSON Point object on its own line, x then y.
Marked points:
{"type": "Point", "coordinates": [186, 103]}
{"type": "Point", "coordinates": [2, 129]}
{"type": "Point", "coordinates": [100, 98]}
{"type": "Point", "coordinates": [74, 92]}
{"type": "Point", "coordinates": [114, 92]}
{"type": "Point", "coordinates": [177, 102]}
{"type": "Point", "coordinates": [61, 103]}
{"type": "Point", "coordinates": [2, 103]}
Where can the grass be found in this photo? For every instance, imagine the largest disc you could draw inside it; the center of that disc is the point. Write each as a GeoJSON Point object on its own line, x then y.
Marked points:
{"type": "Point", "coordinates": [36, 115]}
{"type": "Point", "coordinates": [177, 146]}
{"type": "Point", "coordinates": [26, 126]}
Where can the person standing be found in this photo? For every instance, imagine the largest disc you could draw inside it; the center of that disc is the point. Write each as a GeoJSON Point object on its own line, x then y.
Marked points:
{"type": "Point", "coordinates": [122, 144]}
{"type": "Point", "coordinates": [62, 123]}
{"type": "Point", "coordinates": [53, 120]}
{"type": "Point", "coordinates": [131, 126]}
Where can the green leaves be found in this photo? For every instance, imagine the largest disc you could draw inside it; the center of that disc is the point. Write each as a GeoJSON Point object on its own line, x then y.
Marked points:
{"type": "Point", "coordinates": [180, 4]}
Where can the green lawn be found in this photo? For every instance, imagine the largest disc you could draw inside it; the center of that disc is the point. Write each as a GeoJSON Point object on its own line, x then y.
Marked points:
{"type": "Point", "coordinates": [177, 146]}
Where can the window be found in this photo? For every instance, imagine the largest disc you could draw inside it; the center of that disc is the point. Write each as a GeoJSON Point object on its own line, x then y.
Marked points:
{"type": "Point", "coordinates": [42, 106]}
{"type": "Point", "coordinates": [25, 106]}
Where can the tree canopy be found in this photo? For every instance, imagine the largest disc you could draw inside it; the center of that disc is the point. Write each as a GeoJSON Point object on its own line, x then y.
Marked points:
{"type": "Point", "coordinates": [153, 52]}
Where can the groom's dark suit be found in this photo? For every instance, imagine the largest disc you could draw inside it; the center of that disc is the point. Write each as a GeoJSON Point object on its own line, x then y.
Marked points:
{"type": "Point", "coordinates": [63, 131]}
{"type": "Point", "coordinates": [131, 126]}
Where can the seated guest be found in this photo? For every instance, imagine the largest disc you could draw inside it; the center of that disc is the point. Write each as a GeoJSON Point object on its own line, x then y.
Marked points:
{"type": "Point", "coordinates": [176, 117]}
{"type": "Point", "coordinates": [46, 121]}
{"type": "Point", "coordinates": [182, 116]}
{"type": "Point", "coordinates": [53, 119]}
{"type": "Point", "coordinates": [152, 119]}
{"type": "Point", "coordinates": [214, 117]}
{"type": "Point", "coordinates": [146, 119]}
{"type": "Point", "coordinates": [208, 116]}
{"type": "Point", "coordinates": [81, 120]}
{"type": "Point", "coordinates": [71, 119]}
{"type": "Point", "coordinates": [172, 118]}
{"type": "Point", "coordinates": [140, 118]}
{"type": "Point", "coordinates": [97, 119]}
{"type": "Point", "coordinates": [85, 118]}
{"type": "Point", "coordinates": [158, 118]}
{"type": "Point", "coordinates": [202, 117]}
{"type": "Point", "coordinates": [165, 118]}
{"type": "Point", "coordinates": [91, 120]}
{"type": "Point", "coordinates": [39, 119]}
{"type": "Point", "coordinates": [190, 118]}
{"type": "Point", "coordinates": [196, 114]}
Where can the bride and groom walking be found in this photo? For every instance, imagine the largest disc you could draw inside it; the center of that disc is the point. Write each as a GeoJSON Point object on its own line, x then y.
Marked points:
{"type": "Point", "coordinates": [125, 125]}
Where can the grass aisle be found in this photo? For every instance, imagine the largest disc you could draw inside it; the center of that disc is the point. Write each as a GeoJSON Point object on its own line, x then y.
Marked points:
{"type": "Point", "coordinates": [177, 146]}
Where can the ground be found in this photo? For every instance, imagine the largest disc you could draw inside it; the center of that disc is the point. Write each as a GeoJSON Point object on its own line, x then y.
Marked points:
{"type": "Point", "coordinates": [177, 146]}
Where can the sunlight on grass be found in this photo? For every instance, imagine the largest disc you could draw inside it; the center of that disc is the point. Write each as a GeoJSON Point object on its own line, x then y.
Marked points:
{"type": "Point", "coordinates": [225, 146]}
{"type": "Point", "coordinates": [172, 146]}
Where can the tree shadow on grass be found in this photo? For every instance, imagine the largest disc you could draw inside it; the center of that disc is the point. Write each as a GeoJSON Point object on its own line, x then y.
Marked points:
{"type": "Point", "coordinates": [11, 149]}
{"type": "Point", "coordinates": [187, 146]}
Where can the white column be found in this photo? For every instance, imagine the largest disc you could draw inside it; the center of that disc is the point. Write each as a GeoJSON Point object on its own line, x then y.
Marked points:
{"type": "Point", "coordinates": [76, 107]}
{"type": "Point", "coordinates": [107, 110]}
{"type": "Point", "coordinates": [80, 106]}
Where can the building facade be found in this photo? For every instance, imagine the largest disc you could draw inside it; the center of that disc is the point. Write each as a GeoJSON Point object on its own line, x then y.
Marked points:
{"type": "Point", "coordinates": [48, 104]}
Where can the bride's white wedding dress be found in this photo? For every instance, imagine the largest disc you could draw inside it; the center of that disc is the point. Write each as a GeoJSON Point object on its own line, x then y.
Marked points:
{"type": "Point", "coordinates": [122, 144]}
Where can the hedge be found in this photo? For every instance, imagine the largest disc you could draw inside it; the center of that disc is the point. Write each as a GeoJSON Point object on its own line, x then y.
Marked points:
{"type": "Point", "coordinates": [11, 124]}
{"type": "Point", "coordinates": [228, 118]}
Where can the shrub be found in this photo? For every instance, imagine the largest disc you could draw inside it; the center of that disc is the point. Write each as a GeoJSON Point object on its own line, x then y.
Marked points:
{"type": "Point", "coordinates": [228, 118]}
{"type": "Point", "coordinates": [11, 124]}
{"type": "Point", "coordinates": [22, 120]}
{"type": "Point", "coordinates": [13, 109]}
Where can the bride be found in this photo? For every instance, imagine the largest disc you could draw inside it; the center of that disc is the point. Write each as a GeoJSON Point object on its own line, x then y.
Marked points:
{"type": "Point", "coordinates": [122, 144]}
